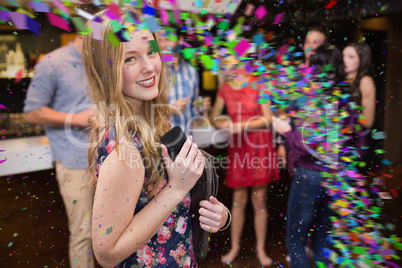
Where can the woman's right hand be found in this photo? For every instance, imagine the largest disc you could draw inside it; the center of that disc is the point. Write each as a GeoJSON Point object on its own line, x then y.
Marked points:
{"type": "Point", "coordinates": [280, 125]}
{"type": "Point", "coordinates": [187, 168]}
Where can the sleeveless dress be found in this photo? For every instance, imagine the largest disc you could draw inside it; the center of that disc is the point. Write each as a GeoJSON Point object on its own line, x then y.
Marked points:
{"type": "Point", "coordinates": [171, 246]}
{"type": "Point", "coordinates": [252, 155]}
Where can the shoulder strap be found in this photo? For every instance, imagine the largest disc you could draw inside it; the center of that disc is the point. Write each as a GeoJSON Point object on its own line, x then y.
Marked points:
{"type": "Point", "coordinates": [210, 170]}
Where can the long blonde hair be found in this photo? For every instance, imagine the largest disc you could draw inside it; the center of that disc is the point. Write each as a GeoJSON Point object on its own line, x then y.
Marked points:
{"type": "Point", "coordinates": [103, 64]}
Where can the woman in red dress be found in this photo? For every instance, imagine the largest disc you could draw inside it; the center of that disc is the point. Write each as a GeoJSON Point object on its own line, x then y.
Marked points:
{"type": "Point", "coordinates": [251, 157]}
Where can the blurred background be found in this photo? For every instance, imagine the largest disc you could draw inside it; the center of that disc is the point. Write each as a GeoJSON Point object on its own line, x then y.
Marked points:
{"type": "Point", "coordinates": [33, 229]}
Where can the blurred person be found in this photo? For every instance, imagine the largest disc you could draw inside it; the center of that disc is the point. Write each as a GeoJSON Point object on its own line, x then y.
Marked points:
{"type": "Point", "coordinates": [57, 87]}
{"type": "Point", "coordinates": [315, 37]}
{"type": "Point", "coordinates": [251, 143]}
{"type": "Point", "coordinates": [184, 85]}
{"type": "Point", "coordinates": [357, 60]}
{"type": "Point", "coordinates": [141, 215]}
{"type": "Point", "coordinates": [308, 207]}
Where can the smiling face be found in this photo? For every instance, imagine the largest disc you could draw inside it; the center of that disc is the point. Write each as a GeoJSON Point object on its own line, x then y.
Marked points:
{"type": "Point", "coordinates": [141, 69]}
{"type": "Point", "coordinates": [351, 61]}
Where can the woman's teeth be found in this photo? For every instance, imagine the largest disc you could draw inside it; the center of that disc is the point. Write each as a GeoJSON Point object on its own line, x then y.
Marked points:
{"type": "Point", "coordinates": [146, 82]}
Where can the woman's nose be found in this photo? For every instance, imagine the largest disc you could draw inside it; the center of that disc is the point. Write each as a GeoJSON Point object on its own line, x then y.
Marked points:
{"type": "Point", "coordinates": [147, 66]}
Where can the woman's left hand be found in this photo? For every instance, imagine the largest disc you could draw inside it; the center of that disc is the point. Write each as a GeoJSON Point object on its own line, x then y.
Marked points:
{"type": "Point", "coordinates": [213, 215]}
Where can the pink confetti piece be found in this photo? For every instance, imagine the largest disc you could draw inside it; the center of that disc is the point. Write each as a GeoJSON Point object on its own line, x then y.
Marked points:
{"type": "Point", "coordinates": [61, 7]}
{"type": "Point", "coordinates": [115, 10]}
{"type": "Point", "coordinates": [112, 16]}
{"type": "Point", "coordinates": [242, 47]}
{"type": "Point", "coordinates": [2, 161]}
{"type": "Point", "coordinates": [249, 9]}
{"type": "Point", "coordinates": [261, 12]}
{"type": "Point", "coordinates": [164, 16]}
{"type": "Point", "coordinates": [3, 107]}
{"type": "Point", "coordinates": [278, 18]}
{"type": "Point", "coordinates": [208, 40]}
{"type": "Point", "coordinates": [58, 22]}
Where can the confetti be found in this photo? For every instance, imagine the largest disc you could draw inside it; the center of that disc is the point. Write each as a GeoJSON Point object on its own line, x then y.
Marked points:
{"type": "Point", "coordinates": [284, 83]}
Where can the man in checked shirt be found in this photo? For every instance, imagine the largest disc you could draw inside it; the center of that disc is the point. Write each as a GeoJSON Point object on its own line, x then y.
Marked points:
{"type": "Point", "coordinates": [184, 82]}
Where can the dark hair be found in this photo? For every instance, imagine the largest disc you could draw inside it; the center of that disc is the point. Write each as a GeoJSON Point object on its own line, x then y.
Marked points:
{"type": "Point", "coordinates": [325, 55]}
{"type": "Point", "coordinates": [320, 30]}
{"type": "Point", "coordinates": [364, 52]}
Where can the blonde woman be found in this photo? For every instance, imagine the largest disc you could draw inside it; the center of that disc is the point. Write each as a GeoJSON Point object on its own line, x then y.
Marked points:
{"type": "Point", "coordinates": [140, 218]}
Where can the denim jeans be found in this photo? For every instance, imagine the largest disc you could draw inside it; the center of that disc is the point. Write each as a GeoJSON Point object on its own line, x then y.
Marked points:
{"type": "Point", "coordinates": [307, 210]}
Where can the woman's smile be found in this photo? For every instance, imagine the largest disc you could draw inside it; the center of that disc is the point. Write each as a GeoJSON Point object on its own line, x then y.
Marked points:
{"type": "Point", "coordinates": [150, 82]}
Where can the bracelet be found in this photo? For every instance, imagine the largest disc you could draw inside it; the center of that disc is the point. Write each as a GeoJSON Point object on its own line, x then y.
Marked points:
{"type": "Point", "coordinates": [230, 220]}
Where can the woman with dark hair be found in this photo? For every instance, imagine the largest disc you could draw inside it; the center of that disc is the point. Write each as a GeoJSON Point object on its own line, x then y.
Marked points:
{"type": "Point", "coordinates": [326, 150]}
{"type": "Point", "coordinates": [308, 207]}
{"type": "Point", "coordinates": [357, 59]}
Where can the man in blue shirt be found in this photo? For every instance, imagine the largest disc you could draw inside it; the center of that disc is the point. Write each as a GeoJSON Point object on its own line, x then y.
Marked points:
{"type": "Point", "coordinates": [184, 84]}
{"type": "Point", "coordinates": [56, 90]}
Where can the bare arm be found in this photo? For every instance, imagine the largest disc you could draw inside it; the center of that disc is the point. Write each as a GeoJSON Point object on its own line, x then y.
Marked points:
{"type": "Point", "coordinates": [116, 231]}
{"type": "Point", "coordinates": [221, 79]}
{"type": "Point", "coordinates": [216, 111]}
{"type": "Point", "coordinates": [367, 89]}
{"type": "Point", "coordinates": [48, 117]}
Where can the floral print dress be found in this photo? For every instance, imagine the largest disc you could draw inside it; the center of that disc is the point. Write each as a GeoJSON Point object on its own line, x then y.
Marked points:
{"type": "Point", "coordinates": [171, 246]}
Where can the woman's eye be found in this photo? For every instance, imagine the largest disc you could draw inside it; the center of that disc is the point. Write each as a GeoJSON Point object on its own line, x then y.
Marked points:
{"type": "Point", "coordinates": [151, 52]}
{"type": "Point", "coordinates": [131, 59]}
